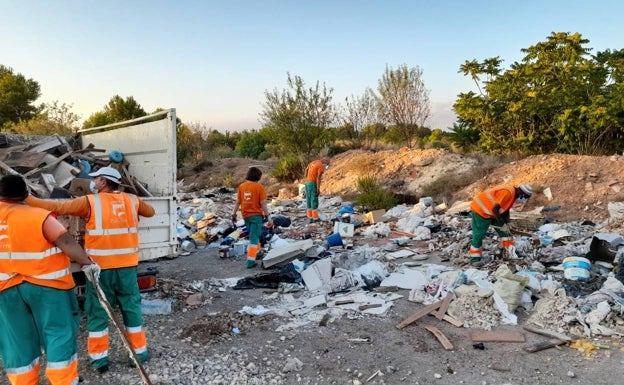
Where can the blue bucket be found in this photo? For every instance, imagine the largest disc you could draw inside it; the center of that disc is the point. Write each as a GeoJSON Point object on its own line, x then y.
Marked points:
{"type": "Point", "coordinates": [576, 268]}
{"type": "Point", "coordinates": [334, 240]}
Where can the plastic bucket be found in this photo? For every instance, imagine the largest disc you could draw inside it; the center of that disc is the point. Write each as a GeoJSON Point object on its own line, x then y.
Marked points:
{"type": "Point", "coordinates": [334, 240]}
{"type": "Point", "coordinates": [576, 268]}
{"type": "Point", "coordinates": [240, 248]}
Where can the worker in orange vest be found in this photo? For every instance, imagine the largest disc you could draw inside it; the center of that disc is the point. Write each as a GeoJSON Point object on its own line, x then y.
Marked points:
{"type": "Point", "coordinates": [38, 306]}
{"type": "Point", "coordinates": [313, 172]}
{"type": "Point", "coordinates": [251, 198]}
{"type": "Point", "coordinates": [112, 240]}
{"type": "Point", "coordinates": [491, 207]}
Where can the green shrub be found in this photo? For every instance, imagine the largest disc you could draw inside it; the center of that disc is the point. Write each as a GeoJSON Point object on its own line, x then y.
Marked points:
{"type": "Point", "coordinates": [376, 199]}
{"type": "Point", "coordinates": [368, 184]}
{"type": "Point", "coordinates": [287, 169]}
{"type": "Point", "coordinates": [372, 195]}
{"type": "Point", "coordinates": [228, 180]}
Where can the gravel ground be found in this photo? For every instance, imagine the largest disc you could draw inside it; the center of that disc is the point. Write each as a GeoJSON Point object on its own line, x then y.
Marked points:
{"type": "Point", "coordinates": [195, 344]}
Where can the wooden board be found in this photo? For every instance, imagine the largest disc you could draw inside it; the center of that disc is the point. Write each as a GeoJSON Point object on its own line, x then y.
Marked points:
{"type": "Point", "coordinates": [497, 336]}
{"type": "Point", "coordinates": [440, 336]}
{"type": "Point", "coordinates": [452, 321]}
{"type": "Point", "coordinates": [547, 333]}
{"type": "Point", "coordinates": [439, 314]}
{"type": "Point", "coordinates": [544, 345]}
{"type": "Point", "coordinates": [419, 314]}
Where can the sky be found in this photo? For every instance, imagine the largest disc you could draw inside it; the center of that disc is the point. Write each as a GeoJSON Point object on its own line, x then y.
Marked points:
{"type": "Point", "coordinates": [213, 61]}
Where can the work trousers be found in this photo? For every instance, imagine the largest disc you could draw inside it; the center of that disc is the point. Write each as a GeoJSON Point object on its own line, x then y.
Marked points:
{"type": "Point", "coordinates": [311, 200]}
{"type": "Point", "coordinates": [480, 227]}
{"type": "Point", "coordinates": [254, 229]}
{"type": "Point", "coordinates": [121, 288]}
{"type": "Point", "coordinates": [33, 317]}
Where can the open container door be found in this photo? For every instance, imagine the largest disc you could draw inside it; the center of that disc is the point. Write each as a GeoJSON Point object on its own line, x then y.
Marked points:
{"type": "Point", "coordinates": [149, 145]}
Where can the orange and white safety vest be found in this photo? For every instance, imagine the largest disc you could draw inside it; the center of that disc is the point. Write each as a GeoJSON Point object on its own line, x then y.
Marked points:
{"type": "Point", "coordinates": [483, 204]}
{"type": "Point", "coordinates": [112, 237]}
{"type": "Point", "coordinates": [25, 254]}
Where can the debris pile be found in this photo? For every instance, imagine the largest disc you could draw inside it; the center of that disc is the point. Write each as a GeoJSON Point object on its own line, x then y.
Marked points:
{"type": "Point", "coordinates": [358, 263]}
{"type": "Point", "coordinates": [58, 167]}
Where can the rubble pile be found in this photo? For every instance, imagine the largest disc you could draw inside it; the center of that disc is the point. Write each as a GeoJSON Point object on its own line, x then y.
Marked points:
{"type": "Point", "coordinates": [357, 263]}
{"type": "Point", "coordinates": [58, 167]}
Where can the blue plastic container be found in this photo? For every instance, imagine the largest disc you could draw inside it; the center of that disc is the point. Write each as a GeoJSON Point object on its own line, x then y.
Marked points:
{"type": "Point", "coordinates": [334, 240]}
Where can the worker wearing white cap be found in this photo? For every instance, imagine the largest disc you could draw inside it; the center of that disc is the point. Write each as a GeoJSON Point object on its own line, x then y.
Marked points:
{"type": "Point", "coordinates": [491, 207]}
{"type": "Point", "coordinates": [112, 240]}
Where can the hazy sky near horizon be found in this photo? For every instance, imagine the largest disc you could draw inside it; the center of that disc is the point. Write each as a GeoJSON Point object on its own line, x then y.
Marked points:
{"type": "Point", "coordinates": [214, 60]}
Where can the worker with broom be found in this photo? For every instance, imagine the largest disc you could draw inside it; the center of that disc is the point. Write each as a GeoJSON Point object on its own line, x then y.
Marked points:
{"type": "Point", "coordinates": [112, 240]}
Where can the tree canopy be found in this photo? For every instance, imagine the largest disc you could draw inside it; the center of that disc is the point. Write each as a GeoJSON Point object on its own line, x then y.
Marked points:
{"type": "Point", "coordinates": [117, 110]}
{"type": "Point", "coordinates": [403, 101]}
{"type": "Point", "coordinates": [558, 98]}
{"type": "Point", "coordinates": [54, 118]}
{"type": "Point", "coordinates": [298, 118]}
{"type": "Point", "coordinates": [17, 95]}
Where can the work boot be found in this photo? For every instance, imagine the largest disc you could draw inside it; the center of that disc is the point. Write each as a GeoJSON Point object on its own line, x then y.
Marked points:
{"type": "Point", "coordinates": [251, 264]}
{"type": "Point", "coordinates": [477, 262]}
{"type": "Point", "coordinates": [102, 369]}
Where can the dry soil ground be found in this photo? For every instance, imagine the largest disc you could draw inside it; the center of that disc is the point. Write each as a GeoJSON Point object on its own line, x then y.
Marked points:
{"type": "Point", "coordinates": [330, 353]}
{"type": "Point", "coordinates": [581, 185]}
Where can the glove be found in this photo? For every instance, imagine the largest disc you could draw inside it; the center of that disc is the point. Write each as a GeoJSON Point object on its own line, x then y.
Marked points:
{"type": "Point", "coordinates": [234, 218]}
{"type": "Point", "coordinates": [92, 272]}
{"type": "Point", "coordinates": [512, 252]}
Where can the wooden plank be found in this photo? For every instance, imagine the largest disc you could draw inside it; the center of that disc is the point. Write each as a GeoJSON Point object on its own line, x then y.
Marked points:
{"type": "Point", "coordinates": [544, 345]}
{"type": "Point", "coordinates": [547, 333]}
{"type": "Point", "coordinates": [453, 321]}
{"type": "Point", "coordinates": [24, 160]}
{"type": "Point", "coordinates": [440, 336]}
{"type": "Point", "coordinates": [497, 336]}
{"type": "Point", "coordinates": [419, 314]}
{"type": "Point", "coordinates": [400, 234]}
{"type": "Point", "coordinates": [49, 166]}
{"type": "Point", "coordinates": [439, 314]}
{"type": "Point", "coordinates": [369, 306]}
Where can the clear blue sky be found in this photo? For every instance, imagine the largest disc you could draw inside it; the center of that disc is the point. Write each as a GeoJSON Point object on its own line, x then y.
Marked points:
{"type": "Point", "coordinates": [213, 60]}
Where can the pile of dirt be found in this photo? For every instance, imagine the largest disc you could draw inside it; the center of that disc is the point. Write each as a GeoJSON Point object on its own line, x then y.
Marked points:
{"type": "Point", "coordinates": [580, 185]}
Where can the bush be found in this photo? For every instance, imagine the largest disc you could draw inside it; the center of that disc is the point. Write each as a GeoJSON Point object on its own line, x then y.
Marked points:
{"type": "Point", "coordinates": [368, 184]}
{"type": "Point", "coordinates": [376, 199]}
{"type": "Point", "coordinates": [288, 169]}
{"type": "Point", "coordinates": [373, 196]}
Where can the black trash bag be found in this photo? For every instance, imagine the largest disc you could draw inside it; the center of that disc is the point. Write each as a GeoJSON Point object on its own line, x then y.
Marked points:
{"type": "Point", "coordinates": [600, 250]}
{"type": "Point", "coordinates": [286, 273]}
{"type": "Point", "coordinates": [281, 221]}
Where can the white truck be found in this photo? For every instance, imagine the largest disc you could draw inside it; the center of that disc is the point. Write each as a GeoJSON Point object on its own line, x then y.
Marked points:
{"type": "Point", "coordinates": [149, 145]}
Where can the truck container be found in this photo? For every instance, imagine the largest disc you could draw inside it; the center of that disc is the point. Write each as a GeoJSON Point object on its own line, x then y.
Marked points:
{"type": "Point", "coordinates": [148, 144]}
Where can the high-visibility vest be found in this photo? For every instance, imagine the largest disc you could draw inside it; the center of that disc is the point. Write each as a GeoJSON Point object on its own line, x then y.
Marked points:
{"type": "Point", "coordinates": [111, 236]}
{"type": "Point", "coordinates": [25, 254]}
{"type": "Point", "coordinates": [483, 204]}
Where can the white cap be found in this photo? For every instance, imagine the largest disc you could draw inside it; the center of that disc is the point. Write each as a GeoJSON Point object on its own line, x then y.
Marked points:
{"type": "Point", "coordinates": [108, 173]}
{"type": "Point", "coordinates": [526, 189]}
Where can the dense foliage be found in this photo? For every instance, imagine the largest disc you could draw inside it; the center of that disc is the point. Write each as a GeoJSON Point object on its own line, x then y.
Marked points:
{"type": "Point", "coordinates": [558, 98]}
{"type": "Point", "coordinates": [17, 95]}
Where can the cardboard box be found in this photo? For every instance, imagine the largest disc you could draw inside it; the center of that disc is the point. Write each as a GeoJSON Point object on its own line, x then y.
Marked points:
{"type": "Point", "coordinates": [344, 229]}
{"type": "Point", "coordinates": [375, 216]}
